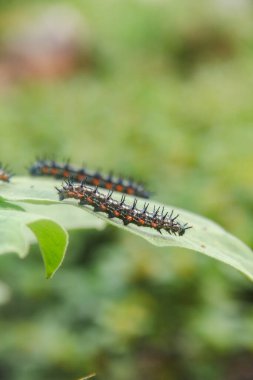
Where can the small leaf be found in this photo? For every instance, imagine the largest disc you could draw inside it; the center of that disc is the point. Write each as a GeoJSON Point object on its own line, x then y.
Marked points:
{"type": "Point", "coordinates": [53, 242]}
{"type": "Point", "coordinates": [15, 237]}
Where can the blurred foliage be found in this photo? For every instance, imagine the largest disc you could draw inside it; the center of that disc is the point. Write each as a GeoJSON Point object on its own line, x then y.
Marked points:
{"type": "Point", "coordinates": [168, 99]}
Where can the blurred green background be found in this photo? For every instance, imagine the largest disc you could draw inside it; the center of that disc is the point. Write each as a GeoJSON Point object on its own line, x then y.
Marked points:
{"type": "Point", "coordinates": [161, 91]}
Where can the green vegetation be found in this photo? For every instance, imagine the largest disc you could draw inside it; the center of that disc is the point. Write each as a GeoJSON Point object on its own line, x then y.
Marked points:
{"type": "Point", "coordinates": [32, 203]}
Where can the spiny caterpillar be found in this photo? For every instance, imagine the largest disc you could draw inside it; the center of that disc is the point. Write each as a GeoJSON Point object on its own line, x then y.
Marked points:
{"type": "Point", "coordinates": [109, 182]}
{"type": "Point", "coordinates": [5, 175]}
{"type": "Point", "coordinates": [119, 209]}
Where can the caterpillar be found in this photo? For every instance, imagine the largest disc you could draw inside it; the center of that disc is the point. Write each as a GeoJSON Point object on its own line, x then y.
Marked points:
{"type": "Point", "coordinates": [109, 182]}
{"type": "Point", "coordinates": [5, 174]}
{"type": "Point", "coordinates": [119, 209]}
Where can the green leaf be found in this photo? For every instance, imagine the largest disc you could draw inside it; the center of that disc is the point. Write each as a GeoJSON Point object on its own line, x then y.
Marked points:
{"type": "Point", "coordinates": [53, 242]}
{"type": "Point", "coordinates": [13, 234]}
{"type": "Point", "coordinates": [43, 215]}
{"type": "Point", "coordinates": [41, 190]}
{"type": "Point", "coordinates": [38, 196]}
{"type": "Point", "coordinates": [67, 215]}
{"type": "Point", "coordinates": [15, 237]}
{"type": "Point", "coordinates": [205, 237]}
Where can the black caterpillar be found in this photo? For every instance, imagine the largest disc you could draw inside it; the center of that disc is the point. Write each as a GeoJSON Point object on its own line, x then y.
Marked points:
{"type": "Point", "coordinates": [5, 174]}
{"type": "Point", "coordinates": [109, 182]}
{"type": "Point", "coordinates": [128, 214]}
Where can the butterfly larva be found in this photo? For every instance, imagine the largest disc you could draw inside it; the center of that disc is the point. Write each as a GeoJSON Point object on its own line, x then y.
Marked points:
{"type": "Point", "coordinates": [5, 174]}
{"type": "Point", "coordinates": [119, 209]}
{"type": "Point", "coordinates": [109, 182]}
